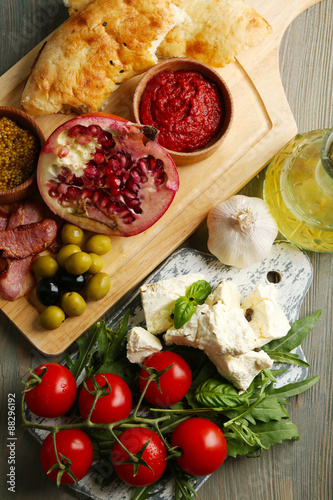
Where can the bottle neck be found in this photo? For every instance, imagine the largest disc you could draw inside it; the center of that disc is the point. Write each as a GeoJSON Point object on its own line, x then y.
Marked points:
{"type": "Point", "coordinates": [326, 153]}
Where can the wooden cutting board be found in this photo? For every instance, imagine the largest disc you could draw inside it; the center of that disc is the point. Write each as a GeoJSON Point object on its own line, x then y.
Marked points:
{"type": "Point", "coordinates": [262, 124]}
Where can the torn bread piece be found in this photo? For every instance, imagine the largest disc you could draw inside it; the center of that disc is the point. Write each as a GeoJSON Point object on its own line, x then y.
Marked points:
{"type": "Point", "coordinates": [141, 344]}
{"type": "Point", "coordinates": [219, 31]}
{"type": "Point", "coordinates": [95, 50]}
{"type": "Point", "coordinates": [75, 6]}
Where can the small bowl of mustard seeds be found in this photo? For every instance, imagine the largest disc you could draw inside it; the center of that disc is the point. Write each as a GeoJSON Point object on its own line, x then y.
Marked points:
{"type": "Point", "coordinates": [21, 140]}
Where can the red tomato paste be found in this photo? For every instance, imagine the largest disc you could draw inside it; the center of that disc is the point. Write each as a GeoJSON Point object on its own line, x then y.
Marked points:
{"type": "Point", "coordinates": [184, 106]}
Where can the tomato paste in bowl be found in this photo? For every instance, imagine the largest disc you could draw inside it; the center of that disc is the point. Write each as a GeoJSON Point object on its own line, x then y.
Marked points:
{"type": "Point", "coordinates": [184, 106]}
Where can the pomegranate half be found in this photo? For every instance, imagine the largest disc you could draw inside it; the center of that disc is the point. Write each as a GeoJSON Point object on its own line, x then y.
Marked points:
{"type": "Point", "coordinates": [106, 175]}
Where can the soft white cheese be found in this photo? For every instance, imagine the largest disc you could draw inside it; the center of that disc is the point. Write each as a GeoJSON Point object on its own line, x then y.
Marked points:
{"type": "Point", "coordinates": [267, 319]}
{"type": "Point", "coordinates": [158, 300]}
{"type": "Point", "coordinates": [225, 329]}
{"type": "Point", "coordinates": [241, 370]}
{"type": "Point", "coordinates": [141, 344]}
{"type": "Point", "coordinates": [187, 334]}
{"type": "Point", "coordinates": [227, 292]}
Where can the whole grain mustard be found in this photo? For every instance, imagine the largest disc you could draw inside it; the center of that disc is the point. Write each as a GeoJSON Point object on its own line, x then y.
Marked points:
{"type": "Point", "coordinates": [19, 150]}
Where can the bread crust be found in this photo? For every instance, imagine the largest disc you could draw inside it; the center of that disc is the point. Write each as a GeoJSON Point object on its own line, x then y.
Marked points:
{"type": "Point", "coordinates": [96, 49]}
{"type": "Point", "coordinates": [219, 31]}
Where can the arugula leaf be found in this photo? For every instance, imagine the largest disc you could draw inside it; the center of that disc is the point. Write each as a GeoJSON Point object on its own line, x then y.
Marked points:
{"type": "Point", "coordinates": [86, 345]}
{"type": "Point", "coordinates": [199, 291]}
{"type": "Point", "coordinates": [184, 310]}
{"type": "Point", "coordinates": [293, 389]}
{"type": "Point", "coordinates": [267, 434]}
{"type": "Point", "coordinates": [287, 358]}
{"type": "Point", "coordinates": [145, 492]}
{"type": "Point", "coordinates": [297, 333]}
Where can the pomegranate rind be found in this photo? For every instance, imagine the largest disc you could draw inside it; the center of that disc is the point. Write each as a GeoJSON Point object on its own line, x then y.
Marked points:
{"type": "Point", "coordinates": [132, 142]}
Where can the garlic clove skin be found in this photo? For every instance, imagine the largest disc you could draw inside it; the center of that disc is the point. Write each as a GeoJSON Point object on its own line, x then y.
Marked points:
{"type": "Point", "coordinates": [241, 231]}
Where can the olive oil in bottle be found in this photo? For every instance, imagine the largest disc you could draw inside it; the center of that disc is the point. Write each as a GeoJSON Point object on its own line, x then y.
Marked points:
{"type": "Point", "coordinates": [299, 190]}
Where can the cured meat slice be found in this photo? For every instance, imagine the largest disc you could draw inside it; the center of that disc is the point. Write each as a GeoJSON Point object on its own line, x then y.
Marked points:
{"type": "Point", "coordinates": [15, 279]}
{"type": "Point", "coordinates": [29, 239]}
{"type": "Point", "coordinates": [26, 213]}
{"type": "Point", "coordinates": [4, 214]}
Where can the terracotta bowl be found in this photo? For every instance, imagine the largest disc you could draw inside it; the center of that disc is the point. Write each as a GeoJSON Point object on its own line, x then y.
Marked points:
{"type": "Point", "coordinates": [212, 75]}
{"type": "Point", "coordinates": [29, 186]}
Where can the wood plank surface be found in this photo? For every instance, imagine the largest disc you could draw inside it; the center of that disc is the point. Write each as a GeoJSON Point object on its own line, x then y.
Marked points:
{"type": "Point", "coordinates": [262, 124]}
{"type": "Point", "coordinates": [291, 471]}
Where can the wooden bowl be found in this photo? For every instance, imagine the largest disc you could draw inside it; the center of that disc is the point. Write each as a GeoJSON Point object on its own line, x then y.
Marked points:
{"type": "Point", "coordinates": [176, 64]}
{"type": "Point", "coordinates": [29, 186]}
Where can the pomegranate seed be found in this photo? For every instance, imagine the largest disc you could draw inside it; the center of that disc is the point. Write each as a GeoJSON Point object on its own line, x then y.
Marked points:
{"type": "Point", "coordinates": [70, 178]}
{"type": "Point", "coordinates": [85, 194]}
{"type": "Point", "coordinates": [61, 178]}
{"type": "Point", "coordinates": [151, 163]}
{"type": "Point", "coordinates": [132, 186]}
{"type": "Point", "coordinates": [135, 176]}
{"type": "Point", "coordinates": [96, 196]}
{"type": "Point", "coordinates": [159, 180]}
{"type": "Point", "coordinates": [64, 201]}
{"type": "Point", "coordinates": [128, 194]}
{"type": "Point", "coordinates": [110, 208]}
{"type": "Point", "coordinates": [103, 203]}
{"type": "Point", "coordinates": [121, 210]}
{"type": "Point", "coordinates": [53, 192]}
{"type": "Point", "coordinates": [91, 172]}
{"type": "Point", "coordinates": [83, 140]}
{"type": "Point", "coordinates": [113, 181]}
{"type": "Point", "coordinates": [73, 192]}
{"type": "Point", "coordinates": [76, 130]}
{"type": "Point", "coordinates": [94, 130]}
{"type": "Point", "coordinates": [129, 219]}
{"type": "Point", "coordinates": [77, 181]}
{"type": "Point", "coordinates": [98, 158]}
{"type": "Point", "coordinates": [142, 167]}
{"type": "Point", "coordinates": [135, 202]}
{"type": "Point", "coordinates": [63, 151]}
{"type": "Point", "coordinates": [62, 188]}
{"type": "Point", "coordinates": [104, 137]}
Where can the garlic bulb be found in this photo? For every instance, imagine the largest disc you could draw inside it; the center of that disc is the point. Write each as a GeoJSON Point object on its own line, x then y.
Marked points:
{"type": "Point", "coordinates": [241, 231]}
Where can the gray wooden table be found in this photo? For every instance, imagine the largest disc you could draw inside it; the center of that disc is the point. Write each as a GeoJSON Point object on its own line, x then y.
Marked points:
{"type": "Point", "coordinates": [294, 470]}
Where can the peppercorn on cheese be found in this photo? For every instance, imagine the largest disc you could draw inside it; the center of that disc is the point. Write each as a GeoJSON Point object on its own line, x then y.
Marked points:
{"type": "Point", "coordinates": [265, 316]}
{"type": "Point", "coordinates": [158, 300]}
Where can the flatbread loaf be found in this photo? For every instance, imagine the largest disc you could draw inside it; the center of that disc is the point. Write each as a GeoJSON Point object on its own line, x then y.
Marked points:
{"type": "Point", "coordinates": [219, 31]}
{"type": "Point", "coordinates": [95, 50]}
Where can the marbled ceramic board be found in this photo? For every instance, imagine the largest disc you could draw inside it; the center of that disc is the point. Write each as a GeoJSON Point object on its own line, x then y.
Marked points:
{"type": "Point", "coordinates": [286, 261]}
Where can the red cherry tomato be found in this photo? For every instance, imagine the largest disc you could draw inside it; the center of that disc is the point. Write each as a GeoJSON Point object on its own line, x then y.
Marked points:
{"type": "Point", "coordinates": [203, 445]}
{"type": "Point", "coordinates": [154, 455]}
{"type": "Point", "coordinates": [114, 406]}
{"type": "Point", "coordinates": [55, 394]}
{"type": "Point", "coordinates": [73, 444]}
{"type": "Point", "coordinates": [174, 383]}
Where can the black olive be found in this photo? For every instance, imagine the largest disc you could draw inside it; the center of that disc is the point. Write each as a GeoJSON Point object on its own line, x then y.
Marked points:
{"type": "Point", "coordinates": [48, 292]}
{"type": "Point", "coordinates": [70, 282]}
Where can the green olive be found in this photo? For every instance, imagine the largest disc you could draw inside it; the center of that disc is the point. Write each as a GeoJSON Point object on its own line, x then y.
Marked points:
{"type": "Point", "coordinates": [52, 317]}
{"type": "Point", "coordinates": [96, 263]}
{"type": "Point", "coordinates": [65, 252]}
{"type": "Point", "coordinates": [73, 304]}
{"type": "Point", "coordinates": [71, 234]}
{"type": "Point", "coordinates": [98, 286]}
{"type": "Point", "coordinates": [45, 266]}
{"type": "Point", "coordinates": [99, 243]}
{"type": "Point", "coordinates": [78, 263]}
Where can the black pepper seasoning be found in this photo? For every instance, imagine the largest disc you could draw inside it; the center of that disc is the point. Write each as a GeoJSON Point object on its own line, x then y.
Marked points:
{"type": "Point", "coordinates": [121, 71]}
{"type": "Point", "coordinates": [124, 44]}
{"type": "Point", "coordinates": [104, 24]}
{"type": "Point", "coordinates": [111, 62]}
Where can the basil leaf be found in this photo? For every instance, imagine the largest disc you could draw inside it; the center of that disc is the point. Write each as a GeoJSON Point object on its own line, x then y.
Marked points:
{"type": "Point", "coordinates": [184, 309]}
{"type": "Point", "coordinates": [199, 291]}
{"type": "Point", "coordinates": [86, 345]}
{"type": "Point", "coordinates": [216, 394]}
{"type": "Point", "coordinates": [297, 333]}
